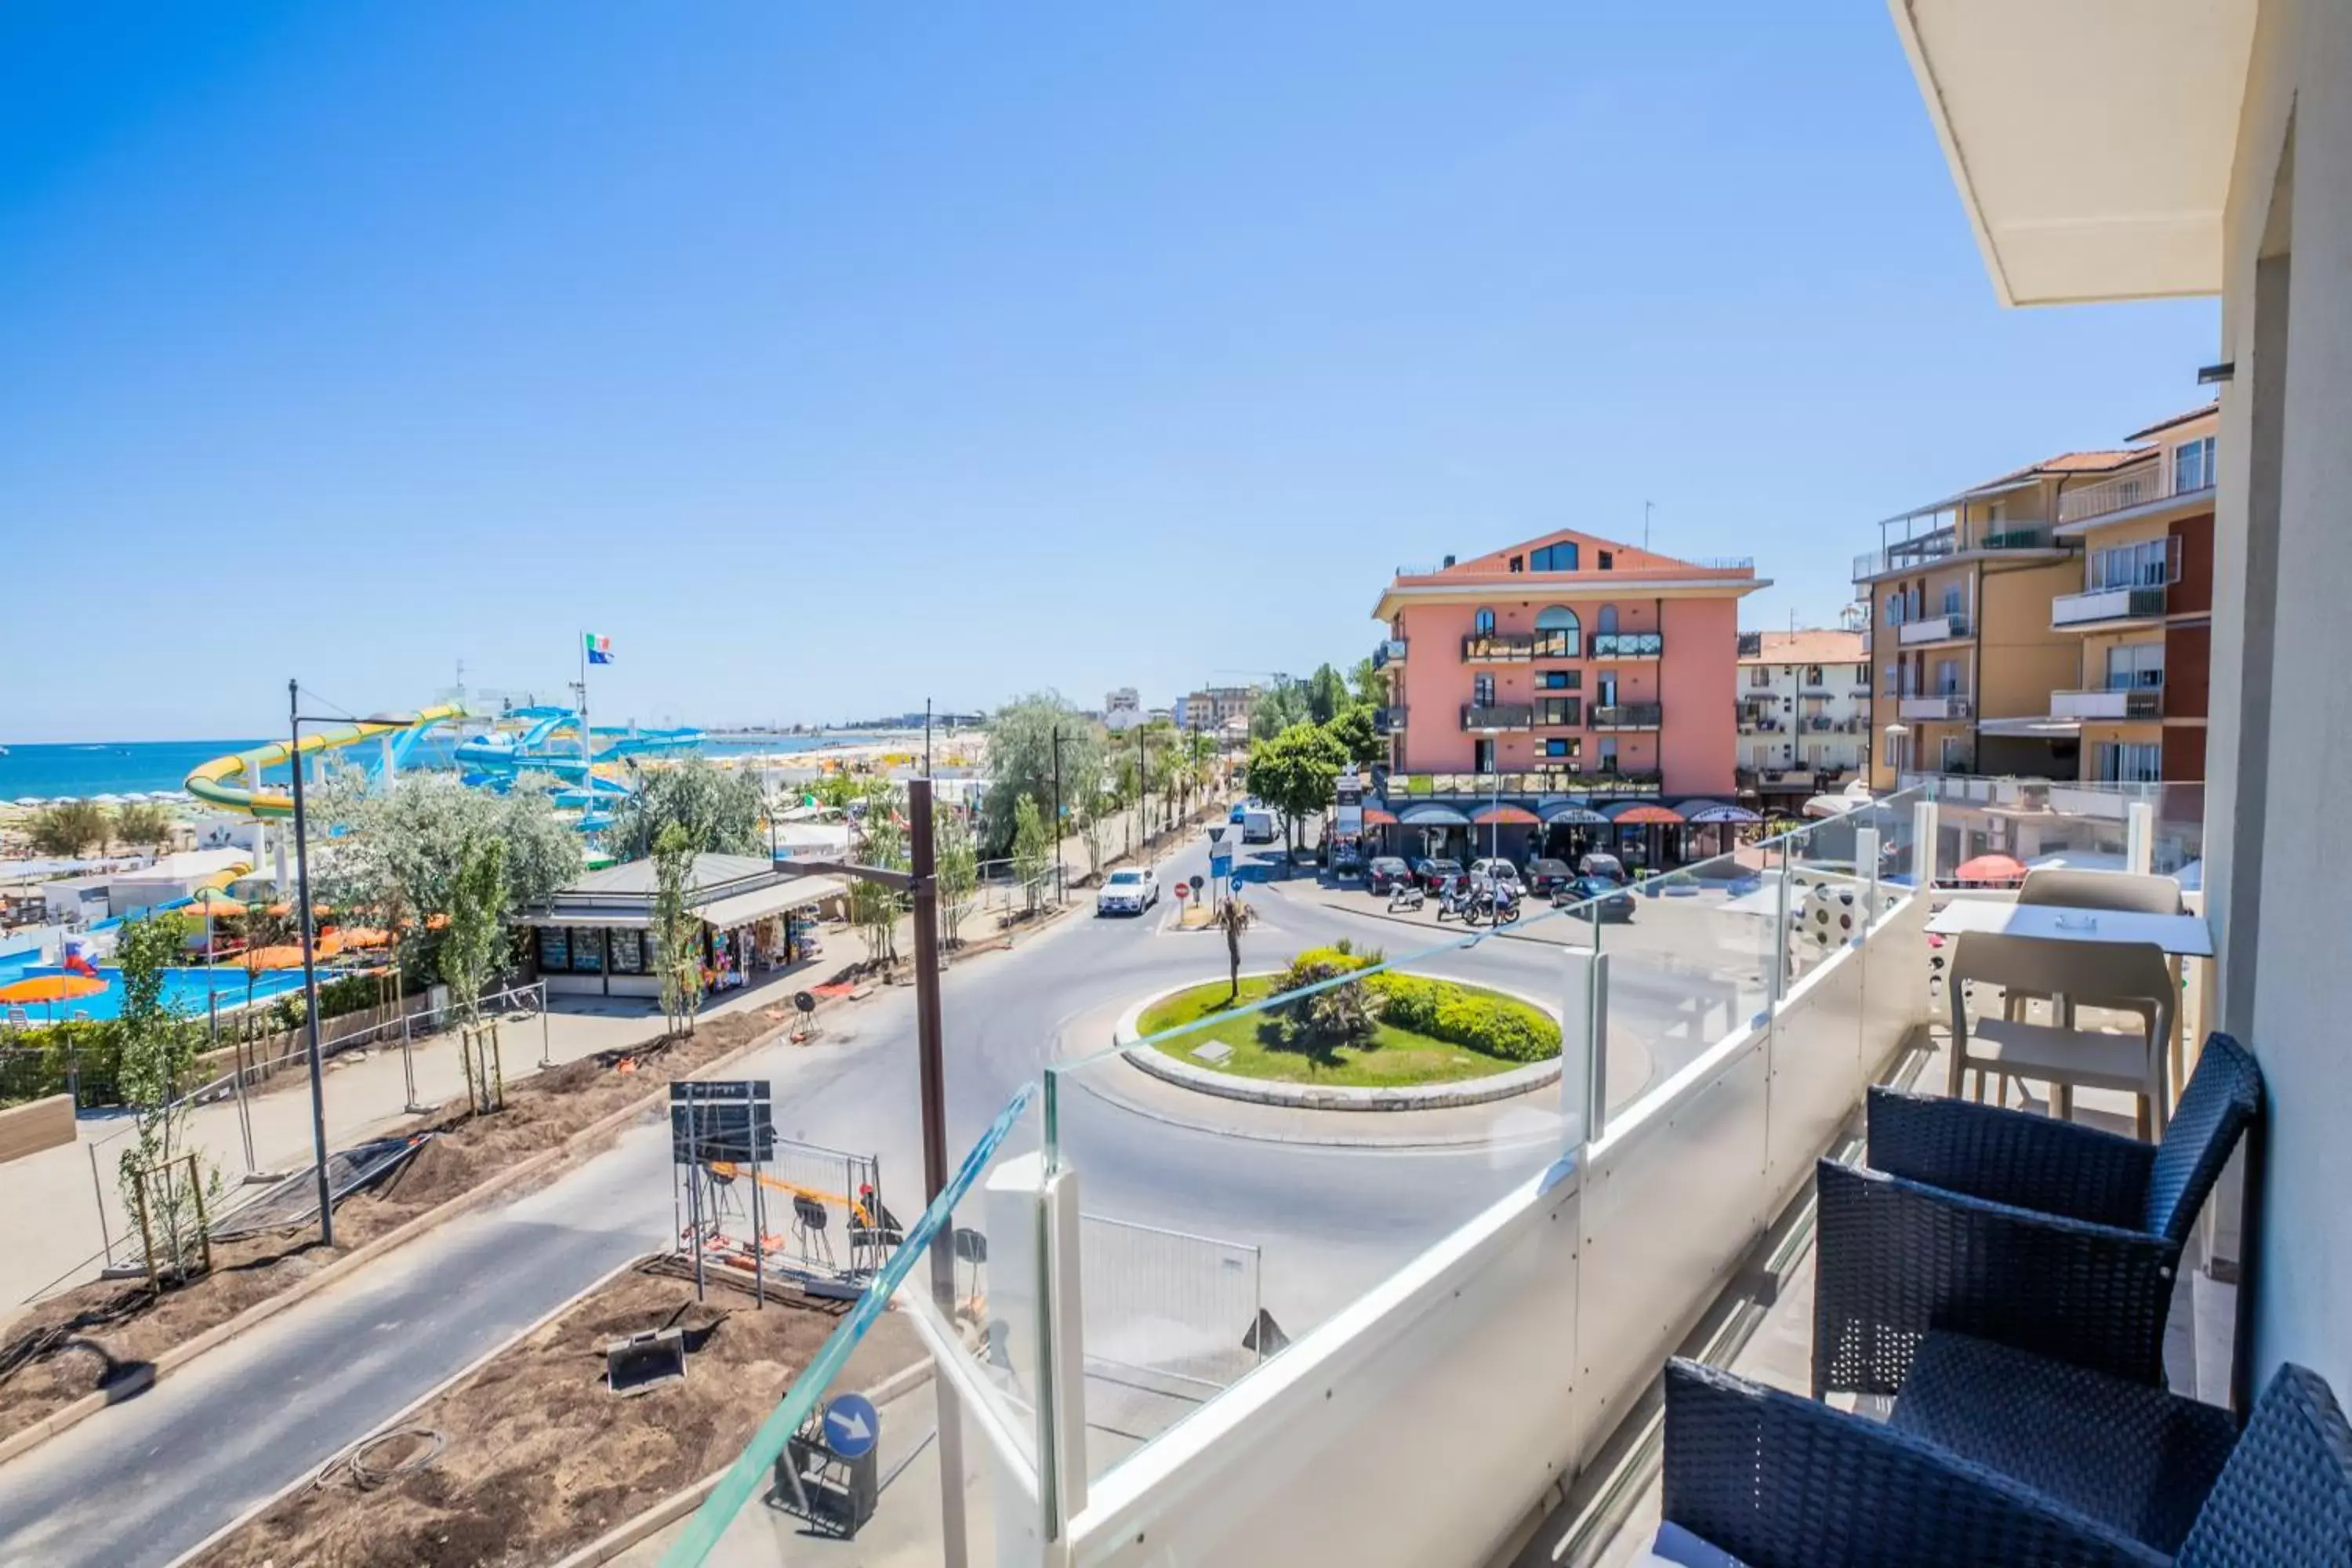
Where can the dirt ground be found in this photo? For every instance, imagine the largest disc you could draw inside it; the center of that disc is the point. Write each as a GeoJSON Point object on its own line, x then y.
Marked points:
{"type": "Point", "coordinates": [107, 1334]}
{"type": "Point", "coordinates": [539, 1459]}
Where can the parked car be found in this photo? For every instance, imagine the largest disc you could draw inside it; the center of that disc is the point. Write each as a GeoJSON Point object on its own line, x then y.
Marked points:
{"type": "Point", "coordinates": [1347, 864]}
{"type": "Point", "coordinates": [1386, 871]}
{"type": "Point", "coordinates": [1433, 875]}
{"type": "Point", "coordinates": [1495, 869]}
{"type": "Point", "coordinates": [1546, 876]}
{"type": "Point", "coordinates": [1611, 901]}
{"type": "Point", "coordinates": [1129, 891]}
{"type": "Point", "coordinates": [1599, 864]}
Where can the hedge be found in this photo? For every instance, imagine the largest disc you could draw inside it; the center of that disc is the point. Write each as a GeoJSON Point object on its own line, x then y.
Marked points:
{"type": "Point", "coordinates": [1445, 1010]}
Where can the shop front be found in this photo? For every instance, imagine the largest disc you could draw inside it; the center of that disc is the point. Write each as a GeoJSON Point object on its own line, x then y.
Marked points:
{"type": "Point", "coordinates": [597, 937]}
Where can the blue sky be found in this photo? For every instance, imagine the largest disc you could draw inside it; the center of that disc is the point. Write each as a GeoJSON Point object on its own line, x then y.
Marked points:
{"type": "Point", "coordinates": [830, 357]}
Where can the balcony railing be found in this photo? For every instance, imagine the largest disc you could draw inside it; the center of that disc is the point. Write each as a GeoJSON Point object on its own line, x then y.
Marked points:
{"type": "Point", "coordinates": [1822, 724]}
{"type": "Point", "coordinates": [1627, 716]}
{"type": "Point", "coordinates": [2141, 487]}
{"type": "Point", "coordinates": [1759, 723]}
{"type": "Point", "coordinates": [1516, 648]}
{"type": "Point", "coordinates": [1627, 645]}
{"type": "Point", "coordinates": [1498, 716]}
{"type": "Point", "coordinates": [1408, 787]}
{"type": "Point", "coordinates": [2126, 703]}
{"type": "Point", "coordinates": [1932, 628]}
{"type": "Point", "coordinates": [1388, 652]}
{"type": "Point", "coordinates": [1930, 550]}
{"type": "Point", "coordinates": [1388, 720]}
{"type": "Point", "coordinates": [2102, 604]}
{"type": "Point", "coordinates": [1935, 706]}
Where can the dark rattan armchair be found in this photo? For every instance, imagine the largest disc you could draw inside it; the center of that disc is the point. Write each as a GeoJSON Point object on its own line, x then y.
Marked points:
{"type": "Point", "coordinates": [2029, 1231]}
{"type": "Point", "coordinates": [1779, 1482]}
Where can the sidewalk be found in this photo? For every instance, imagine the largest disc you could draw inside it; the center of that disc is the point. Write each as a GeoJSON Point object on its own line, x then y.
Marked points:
{"type": "Point", "coordinates": [50, 1231]}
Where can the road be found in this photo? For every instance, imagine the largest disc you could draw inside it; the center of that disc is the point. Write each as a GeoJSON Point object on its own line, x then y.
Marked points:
{"type": "Point", "coordinates": [146, 1480]}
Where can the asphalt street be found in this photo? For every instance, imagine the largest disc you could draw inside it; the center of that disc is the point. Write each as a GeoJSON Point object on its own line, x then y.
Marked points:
{"type": "Point", "coordinates": [142, 1483]}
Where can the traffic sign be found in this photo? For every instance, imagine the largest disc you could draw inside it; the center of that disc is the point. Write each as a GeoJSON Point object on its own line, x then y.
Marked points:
{"type": "Point", "coordinates": [851, 1426]}
{"type": "Point", "coordinates": [1183, 892]}
{"type": "Point", "coordinates": [1198, 882]}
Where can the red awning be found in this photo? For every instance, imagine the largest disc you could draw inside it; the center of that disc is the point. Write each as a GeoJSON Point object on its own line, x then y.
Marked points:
{"type": "Point", "coordinates": [1646, 816]}
{"type": "Point", "coordinates": [1375, 817]}
{"type": "Point", "coordinates": [1509, 815]}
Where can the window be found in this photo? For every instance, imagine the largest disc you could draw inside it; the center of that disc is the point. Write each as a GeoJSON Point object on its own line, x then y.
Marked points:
{"type": "Point", "coordinates": [1562, 710]}
{"type": "Point", "coordinates": [587, 950]}
{"type": "Point", "coordinates": [629, 951]}
{"type": "Point", "coordinates": [2146, 564]}
{"type": "Point", "coordinates": [1560, 747]}
{"type": "Point", "coordinates": [1608, 620]}
{"type": "Point", "coordinates": [1561, 680]}
{"type": "Point", "coordinates": [1483, 623]}
{"type": "Point", "coordinates": [1482, 756]}
{"type": "Point", "coordinates": [1556, 558]}
{"type": "Point", "coordinates": [1895, 609]}
{"type": "Point", "coordinates": [1948, 677]}
{"type": "Point", "coordinates": [1812, 675]}
{"type": "Point", "coordinates": [1951, 599]}
{"type": "Point", "coordinates": [1566, 633]}
{"type": "Point", "coordinates": [554, 949]}
{"type": "Point", "coordinates": [2136, 666]}
{"type": "Point", "coordinates": [1518, 562]}
{"type": "Point", "coordinates": [1609, 753]}
{"type": "Point", "coordinates": [1759, 675]}
{"type": "Point", "coordinates": [2192, 466]}
{"type": "Point", "coordinates": [1482, 690]}
{"type": "Point", "coordinates": [1608, 561]}
{"type": "Point", "coordinates": [2116, 762]}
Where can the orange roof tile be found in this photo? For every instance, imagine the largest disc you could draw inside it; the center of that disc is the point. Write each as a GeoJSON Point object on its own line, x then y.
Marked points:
{"type": "Point", "coordinates": [2162, 424]}
{"type": "Point", "coordinates": [1819, 645]}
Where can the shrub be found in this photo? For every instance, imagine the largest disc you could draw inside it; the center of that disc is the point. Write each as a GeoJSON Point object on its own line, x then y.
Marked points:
{"type": "Point", "coordinates": [1491, 1026]}
{"type": "Point", "coordinates": [1337, 958]}
{"type": "Point", "coordinates": [1346, 1014]}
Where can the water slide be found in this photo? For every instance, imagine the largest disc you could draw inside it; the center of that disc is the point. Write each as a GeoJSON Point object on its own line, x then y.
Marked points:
{"type": "Point", "coordinates": [234, 783]}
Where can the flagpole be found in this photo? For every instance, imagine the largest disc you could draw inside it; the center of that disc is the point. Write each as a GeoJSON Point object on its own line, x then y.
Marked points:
{"type": "Point", "coordinates": [587, 761]}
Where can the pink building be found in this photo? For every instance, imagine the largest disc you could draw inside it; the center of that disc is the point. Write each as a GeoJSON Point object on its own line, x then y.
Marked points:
{"type": "Point", "coordinates": [1572, 676]}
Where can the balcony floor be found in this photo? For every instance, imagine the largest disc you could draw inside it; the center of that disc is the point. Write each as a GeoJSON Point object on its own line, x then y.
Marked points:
{"type": "Point", "coordinates": [1779, 1351]}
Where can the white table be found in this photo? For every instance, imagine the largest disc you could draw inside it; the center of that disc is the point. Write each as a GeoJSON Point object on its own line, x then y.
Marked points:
{"type": "Point", "coordinates": [2180, 936]}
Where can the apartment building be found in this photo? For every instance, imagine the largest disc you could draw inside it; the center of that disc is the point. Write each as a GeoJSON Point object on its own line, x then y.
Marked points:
{"type": "Point", "coordinates": [1804, 713]}
{"type": "Point", "coordinates": [1122, 708]}
{"type": "Point", "coordinates": [2143, 609]}
{"type": "Point", "coordinates": [1563, 681]}
{"type": "Point", "coordinates": [1960, 635]}
{"type": "Point", "coordinates": [1213, 707]}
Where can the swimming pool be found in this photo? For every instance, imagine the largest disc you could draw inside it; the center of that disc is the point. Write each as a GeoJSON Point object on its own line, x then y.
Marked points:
{"type": "Point", "coordinates": [185, 990]}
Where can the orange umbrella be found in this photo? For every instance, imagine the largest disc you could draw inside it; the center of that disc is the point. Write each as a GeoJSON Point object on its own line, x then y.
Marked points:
{"type": "Point", "coordinates": [51, 988]}
{"type": "Point", "coordinates": [317, 912]}
{"type": "Point", "coordinates": [279, 957]}
{"type": "Point", "coordinates": [365, 936]}
{"type": "Point", "coordinates": [326, 944]}
{"type": "Point", "coordinates": [1990, 868]}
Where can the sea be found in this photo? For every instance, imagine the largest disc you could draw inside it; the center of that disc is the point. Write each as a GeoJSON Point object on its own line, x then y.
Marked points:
{"type": "Point", "coordinates": [137, 767]}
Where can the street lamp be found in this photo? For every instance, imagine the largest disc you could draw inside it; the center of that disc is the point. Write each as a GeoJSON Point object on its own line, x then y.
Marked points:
{"type": "Point", "coordinates": [1494, 810]}
{"type": "Point", "coordinates": [1060, 883]}
{"type": "Point", "coordinates": [1895, 736]}
{"type": "Point", "coordinates": [296, 718]}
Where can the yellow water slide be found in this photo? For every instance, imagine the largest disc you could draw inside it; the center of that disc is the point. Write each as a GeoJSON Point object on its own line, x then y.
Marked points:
{"type": "Point", "coordinates": [234, 783]}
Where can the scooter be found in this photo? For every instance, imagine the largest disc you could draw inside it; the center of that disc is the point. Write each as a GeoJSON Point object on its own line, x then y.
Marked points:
{"type": "Point", "coordinates": [1458, 900]}
{"type": "Point", "coordinates": [1406, 896]}
{"type": "Point", "coordinates": [1503, 903]}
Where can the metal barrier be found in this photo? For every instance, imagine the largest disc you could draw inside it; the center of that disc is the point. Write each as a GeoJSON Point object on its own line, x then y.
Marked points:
{"type": "Point", "coordinates": [1179, 1306]}
{"type": "Point", "coordinates": [816, 1211]}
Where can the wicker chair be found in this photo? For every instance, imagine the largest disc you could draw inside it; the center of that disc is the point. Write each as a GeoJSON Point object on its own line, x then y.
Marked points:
{"type": "Point", "coordinates": [2023, 1229]}
{"type": "Point", "coordinates": [1778, 1482]}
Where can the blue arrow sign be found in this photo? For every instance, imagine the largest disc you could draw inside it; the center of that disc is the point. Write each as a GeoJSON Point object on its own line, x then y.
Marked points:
{"type": "Point", "coordinates": [851, 1425]}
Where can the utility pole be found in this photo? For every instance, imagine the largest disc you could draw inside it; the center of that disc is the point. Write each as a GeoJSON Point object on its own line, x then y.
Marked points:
{"type": "Point", "coordinates": [1143, 786]}
{"type": "Point", "coordinates": [927, 737]}
{"type": "Point", "coordinates": [1059, 873]}
{"type": "Point", "coordinates": [309, 967]}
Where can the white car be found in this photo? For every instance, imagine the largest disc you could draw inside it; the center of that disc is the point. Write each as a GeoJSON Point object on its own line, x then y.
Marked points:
{"type": "Point", "coordinates": [1498, 871]}
{"type": "Point", "coordinates": [1130, 892]}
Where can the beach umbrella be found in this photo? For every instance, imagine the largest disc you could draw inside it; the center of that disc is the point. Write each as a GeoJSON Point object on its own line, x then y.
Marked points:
{"type": "Point", "coordinates": [1990, 868]}
{"type": "Point", "coordinates": [280, 957]}
{"type": "Point", "coordinates": [50, 990]}
{"type": "Point", "coordinates": [365, 936]}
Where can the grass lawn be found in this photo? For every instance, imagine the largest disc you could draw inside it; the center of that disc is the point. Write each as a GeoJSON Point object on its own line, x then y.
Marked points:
{"type": "Point", "coordinates": [1394, 1057]}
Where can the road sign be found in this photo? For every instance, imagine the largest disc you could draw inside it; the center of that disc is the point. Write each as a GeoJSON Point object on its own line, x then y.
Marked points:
{"type": "Point", "coordinates": [851, 1425]}
{"type": "Point", "coordinates": [1222, 866]}
{"type": "Point", "coordinates": [1198, 882]}
{"type": "Point", "coordinates": [1182, 892]}
{"type": "Point", "coordinates": [720, 1120]}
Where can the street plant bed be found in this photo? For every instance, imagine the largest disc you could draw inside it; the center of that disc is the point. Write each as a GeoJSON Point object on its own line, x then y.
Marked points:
{"type": "Point", "coordinates": [108, 1334]}
{"type": "Point", "coordinates": [537, 1460]}
{"type": "Point", "coordinates": [1393, 1057]}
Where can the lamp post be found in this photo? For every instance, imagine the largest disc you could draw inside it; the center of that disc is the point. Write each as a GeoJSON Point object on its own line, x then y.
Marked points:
{"type": "Point", "coordinates": [1895, 736]}
{"type": "Point", "coordinates": [1494, 810]}
{"type": "Point", "coordinates": [1144, 787]}
{"type": "Point", "coordinates": [1059, 875]}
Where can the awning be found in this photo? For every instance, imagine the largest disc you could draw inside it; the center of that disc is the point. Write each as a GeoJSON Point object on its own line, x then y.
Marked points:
{"type": "Point", "coordinates": [590, 919]}
{"type": "Point", "coordinates": [1830, 805]}
{"type": "Point", "coordinates": [1429, 815]}
{"type": "Point", "coordinates": [1567, 812]}
{"type": "Point", "coordinates": [726, 914]}
{"type": "Point", "coordinates": [1704, 812]}
{"type": "Point", "coordinates": [1643, 814]}
{"type": "Point", "coordinates": [1507, 815]}
{"type": "Point", "coordinates": [1376, 817]}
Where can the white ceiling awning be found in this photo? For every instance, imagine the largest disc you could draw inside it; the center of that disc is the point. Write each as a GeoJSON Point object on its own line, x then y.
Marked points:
{"type": "Point", "coordinates": [726, 914]}
{"type": "Point", "coordinates": [2091, 141]}
{"type": "Point", "coordinates": [2033, 727]}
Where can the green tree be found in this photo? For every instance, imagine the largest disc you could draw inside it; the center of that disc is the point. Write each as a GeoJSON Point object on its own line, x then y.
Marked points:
{"type": "Point", "coordinates": [1021, 763]}
{"type": "Point", "coordinates": [1357, 735]}
{"type": "Point", "coordinates": [396, 852]}
{"type": "Point", "coordinates": [958, 866]}
{"type": "Point", "coordinates": [159, 1050]}
{"type": "Point", "coordinates": [1295, 773]}
{"type": "Point", "coordinates": [141, 823]}
{"type": "Point", "coordinates": [1279, 707]}
{"type": "Point", "coordinates": [1326, 693]}
{"type": "Point", "coordinates": [1365, 679]}
{"type": "Point", "coordinates": [1033, 852]}
{"type": "Point", "coordinates": [1094, 813]}
{"type": "Point", "coordinates": [678, 930]}
{"type": "Point", "coordinates": [718, 808]}
{"type": "Point", "coordinates": [67, 827]}
{"type": "Point", "coordinates": [873, 908]}
{"type": "Point", "coordinates": [471, 946]}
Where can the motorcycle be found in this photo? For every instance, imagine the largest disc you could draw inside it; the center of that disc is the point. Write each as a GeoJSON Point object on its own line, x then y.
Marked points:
{"type": "Point", "coordinates": [1503, 903]}
{"type": "Point", "coordinates": [1406, 896]}
{"type": "Point", "coordinates": [1459, 900]}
